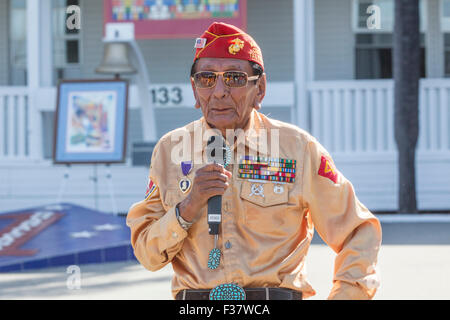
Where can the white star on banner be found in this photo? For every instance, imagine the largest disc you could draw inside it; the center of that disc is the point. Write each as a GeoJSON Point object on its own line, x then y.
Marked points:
{"type": "Point", "coordinates": [56, 207]}
{"type": "Point", "coordinates": [107, 227]}
{"type": "Point", "coordinates": [82, 234]}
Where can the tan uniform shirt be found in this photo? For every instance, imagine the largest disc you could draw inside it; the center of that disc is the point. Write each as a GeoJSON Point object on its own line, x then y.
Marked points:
{"type": "Point", "coordinates": [264, 240]}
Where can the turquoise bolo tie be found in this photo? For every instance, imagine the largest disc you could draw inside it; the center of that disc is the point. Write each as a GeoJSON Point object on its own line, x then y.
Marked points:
{"type": "Point", "coordinates": [214, 220]}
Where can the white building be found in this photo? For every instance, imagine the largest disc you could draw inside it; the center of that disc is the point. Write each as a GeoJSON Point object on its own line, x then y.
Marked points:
{"type": "Point", "coordinates": [327, 73]}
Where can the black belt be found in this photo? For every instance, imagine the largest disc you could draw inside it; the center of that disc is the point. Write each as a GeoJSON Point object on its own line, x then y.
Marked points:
{"type": "Point", "coordinates": [250, 294]}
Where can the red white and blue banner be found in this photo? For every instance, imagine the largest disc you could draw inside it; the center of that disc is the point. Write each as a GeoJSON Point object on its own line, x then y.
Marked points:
{"type": "Point", "coordinates": [174, 18]}
{"type": "Point", "coordinates": [61, 234]}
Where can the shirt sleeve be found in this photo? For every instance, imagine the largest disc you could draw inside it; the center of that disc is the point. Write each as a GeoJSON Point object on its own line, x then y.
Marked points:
{"type": "Point", "coordinates": [344, 224]}
{"type": "Point", "coordinates": [156, 234]}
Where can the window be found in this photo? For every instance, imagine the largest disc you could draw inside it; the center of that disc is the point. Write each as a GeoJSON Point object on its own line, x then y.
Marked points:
{"type": "Point", "coordinates": [373, 47]}
{"type": "Point", "coordinates": [361, 15]}
{"type": "Point", "coordinates": [447, 54]}
{"type": "Point", "coordinates": [17, 43]}
{"type": "Point", "coordinates": [66, 42]}
{"type": "Point", "coordinates": [373, 56]}
{"type": "Point", "coordinates": [445, 18]}
{"type": "Point", "coordinates": [387, 15]}
{"type": "Point", "coordinates": [445, 26]}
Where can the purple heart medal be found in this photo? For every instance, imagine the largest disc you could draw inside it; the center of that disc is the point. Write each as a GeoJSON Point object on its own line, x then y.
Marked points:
{"type": "Point", "coordinates": [185, 183]}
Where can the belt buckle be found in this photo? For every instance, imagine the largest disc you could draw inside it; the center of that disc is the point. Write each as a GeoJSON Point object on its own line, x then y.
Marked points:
{"type": "Point", "coordinates": [227, 291]}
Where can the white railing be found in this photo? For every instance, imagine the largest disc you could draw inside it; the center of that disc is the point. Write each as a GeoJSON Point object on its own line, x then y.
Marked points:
{"type": "Point", "coordinates": [358, 115]}
{"type": "Point", "coordinates": [434, 116]}
{"type": "Point", "coordinates": [347, 116]}
{"type": "Point", "coordinates": [15, 123]}
{"type": "Point", "coordinates": [352, 116]}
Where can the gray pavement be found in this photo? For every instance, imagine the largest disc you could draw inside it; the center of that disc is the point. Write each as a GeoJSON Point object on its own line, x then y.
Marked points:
{"type": "Point", "coordinates": [411, 233]}
{"type": "Point", "coordinates": [414, 263]}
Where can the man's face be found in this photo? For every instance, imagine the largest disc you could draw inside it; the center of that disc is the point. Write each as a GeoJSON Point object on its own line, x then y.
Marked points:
{"type": "Point", "coordinates": [224, 107]}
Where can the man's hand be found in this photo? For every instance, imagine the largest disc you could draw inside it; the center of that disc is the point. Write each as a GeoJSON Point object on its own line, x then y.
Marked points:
{"type": "Point", "coordinates": [210, 180]}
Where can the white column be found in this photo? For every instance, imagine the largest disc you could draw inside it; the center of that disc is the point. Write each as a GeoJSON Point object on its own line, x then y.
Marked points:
{"type": "Point", "coordinates": [33, 77]}
{"type": "Point", "coordinates": [39, 43]}
{"type": "Point", "coordinates": [147, 109]}
{"type": "Point", "coordinates": [33, 51]}
{"type": "Point", "coordinates": [46, 43]}
{"type": "Point", "coordinates": [310, 61]}
{"type": "Point", "coordinates": [303, 59]}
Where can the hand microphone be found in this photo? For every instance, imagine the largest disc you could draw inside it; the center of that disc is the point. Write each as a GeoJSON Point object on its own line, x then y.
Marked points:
{"type": "Point", "coordinates": [216, 152]}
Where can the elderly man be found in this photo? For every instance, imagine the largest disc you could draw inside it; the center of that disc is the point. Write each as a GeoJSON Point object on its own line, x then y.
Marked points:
{"type": "Point", "coordinates": [269, 205]}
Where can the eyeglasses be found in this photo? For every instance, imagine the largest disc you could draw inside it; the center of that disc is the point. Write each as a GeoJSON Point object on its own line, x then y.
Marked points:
{"type": "Point", "coordinates": [232, 79]}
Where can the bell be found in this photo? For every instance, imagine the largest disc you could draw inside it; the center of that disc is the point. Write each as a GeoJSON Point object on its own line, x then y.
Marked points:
{"type": "Point", "coordinates": [115, 59]}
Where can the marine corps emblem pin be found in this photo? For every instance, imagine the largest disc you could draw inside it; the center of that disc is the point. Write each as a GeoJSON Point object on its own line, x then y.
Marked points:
{"type": "Point", "coordinates": [236, 46]}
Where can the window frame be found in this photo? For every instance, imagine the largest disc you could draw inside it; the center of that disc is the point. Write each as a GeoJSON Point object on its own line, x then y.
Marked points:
{"type": "Point", "coordinates": [446, 49]}
{"type": "Point", "coordinates": [383, 46]}
{"type": "Point", "coordinates": [64, 38]}
{"type": "Point", "coordinates": [357, 29]}
{"type": "Point", "coordinates": [441, 18]}
{"type": "Point", "coordinates": [444, 32]}
{"type": "Point", "coordinates": [11, 48]}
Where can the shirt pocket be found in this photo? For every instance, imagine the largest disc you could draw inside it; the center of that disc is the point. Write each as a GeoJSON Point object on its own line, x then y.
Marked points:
{"type": "Point", "coordinates": [269, 214]}
{"type": "Point", "coordinates": [264, 194]}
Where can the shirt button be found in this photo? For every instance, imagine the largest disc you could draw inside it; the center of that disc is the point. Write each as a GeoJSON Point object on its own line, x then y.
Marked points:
{"type": "Point", "coordinates": [228, 245]}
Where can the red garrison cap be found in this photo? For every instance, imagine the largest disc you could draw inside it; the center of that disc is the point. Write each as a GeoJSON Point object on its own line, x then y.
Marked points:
{"type": "Point", "coordinates": [223, 40]}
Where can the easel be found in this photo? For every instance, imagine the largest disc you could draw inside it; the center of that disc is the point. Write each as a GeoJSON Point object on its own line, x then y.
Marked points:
{"type": "Point", "coordinates": [94, 179]}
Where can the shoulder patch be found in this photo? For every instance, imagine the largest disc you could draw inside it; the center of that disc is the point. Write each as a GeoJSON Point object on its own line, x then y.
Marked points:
{"type": "Point", "coordinates": [151, 187]}
{"type": "Point", "coordinates": [327, 169]}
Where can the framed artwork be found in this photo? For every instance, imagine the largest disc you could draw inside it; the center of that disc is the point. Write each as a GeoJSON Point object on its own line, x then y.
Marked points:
{"type": "Point", "coordinates": [90, 121]}
{"type": "Point", "coordinates": [174, 18]}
